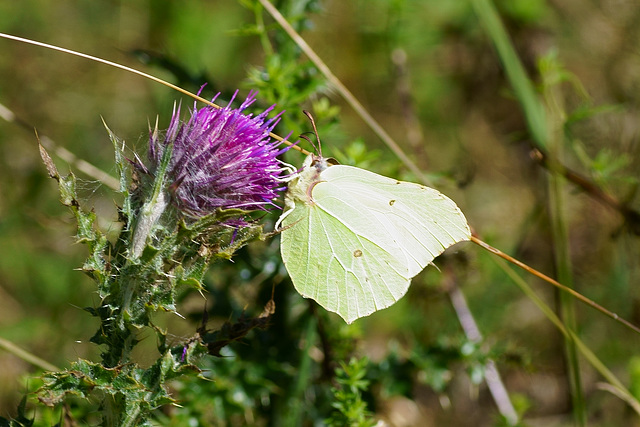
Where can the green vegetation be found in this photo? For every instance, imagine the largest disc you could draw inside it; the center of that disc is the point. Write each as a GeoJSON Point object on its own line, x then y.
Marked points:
{"type": "Point", "coordinates": [524, 112]}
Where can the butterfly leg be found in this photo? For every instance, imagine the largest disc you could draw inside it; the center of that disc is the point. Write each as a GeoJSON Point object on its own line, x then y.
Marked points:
{"type": "Point", "coordinates": [289, 206]}
{"type": "Point", "coordinates": [291, 172]}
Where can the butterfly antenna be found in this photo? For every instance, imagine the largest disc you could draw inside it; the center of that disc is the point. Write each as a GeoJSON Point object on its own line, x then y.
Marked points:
{"type": "Point", "coordinates": [306, 138]}
{"type": "Point", "coordinates": [315, 130]}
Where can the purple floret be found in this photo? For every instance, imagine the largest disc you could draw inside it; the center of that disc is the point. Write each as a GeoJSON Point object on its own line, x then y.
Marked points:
{"type": "Point", "coordinates": [221, 158]}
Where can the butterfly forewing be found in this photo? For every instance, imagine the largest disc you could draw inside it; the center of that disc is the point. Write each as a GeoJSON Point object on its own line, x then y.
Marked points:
{"type": "Point", "coordinates": [420, 220]}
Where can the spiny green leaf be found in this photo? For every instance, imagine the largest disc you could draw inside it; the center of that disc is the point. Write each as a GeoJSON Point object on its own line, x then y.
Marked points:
{"type": "Point", "coordinates": [192, 275]}
{"type": "Point", "coordinates": [67, 186]}
{"type": "Point", "coordinates": [122, 164]}
{"type": "Point", "coordinates": [86, 233]}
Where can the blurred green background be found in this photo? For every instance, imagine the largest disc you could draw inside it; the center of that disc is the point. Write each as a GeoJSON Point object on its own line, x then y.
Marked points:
{"type": "Point", "coordinates": [428, 72]}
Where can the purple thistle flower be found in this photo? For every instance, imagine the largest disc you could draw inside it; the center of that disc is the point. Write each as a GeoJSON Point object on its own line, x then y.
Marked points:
{"type": "Point", "coordinates": [220, 158]}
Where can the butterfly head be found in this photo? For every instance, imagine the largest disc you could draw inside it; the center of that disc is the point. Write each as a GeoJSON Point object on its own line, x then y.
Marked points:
{"type": "Point", "coordinates": [318, 163]}
{"type": "Point", "coordinates": [301, 187]}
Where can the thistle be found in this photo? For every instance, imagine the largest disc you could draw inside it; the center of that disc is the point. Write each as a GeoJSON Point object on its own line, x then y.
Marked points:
{"type": "Point", "coordinates": [218, 159]}
{"type": "Point", "coordinates": [183, 210]}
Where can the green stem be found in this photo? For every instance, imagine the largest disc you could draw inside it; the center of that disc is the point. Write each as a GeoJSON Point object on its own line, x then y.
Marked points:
{"type": "Point", "coordinates": [566, 303]}
{"type": "Point", "coordinates": [262, 30]}
{"type": "Point", "coordinates": [153, 207]}
{"type": "Point", "coordinates": [560, 236]}
{"type": "Point", "coordinates": [149, 216]}
{"type": "Point", "coordinates": [520, 82]}
{"type": "Point", "coordinates": [295, 403]}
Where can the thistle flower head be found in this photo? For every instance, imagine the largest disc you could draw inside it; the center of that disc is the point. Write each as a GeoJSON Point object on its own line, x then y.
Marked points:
{"type": "Point", "coordinates": [220, 158]}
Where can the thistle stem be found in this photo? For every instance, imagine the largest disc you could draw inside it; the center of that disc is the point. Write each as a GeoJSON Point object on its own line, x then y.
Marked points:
{"type": "Point", "coordinates": [147, 219]}
{"type": "Point", "coordinates": [149, 215]}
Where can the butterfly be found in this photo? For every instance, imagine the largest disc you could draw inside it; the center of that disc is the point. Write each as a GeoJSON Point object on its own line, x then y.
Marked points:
{"type": "Point", "coordinates": [352, 240]}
